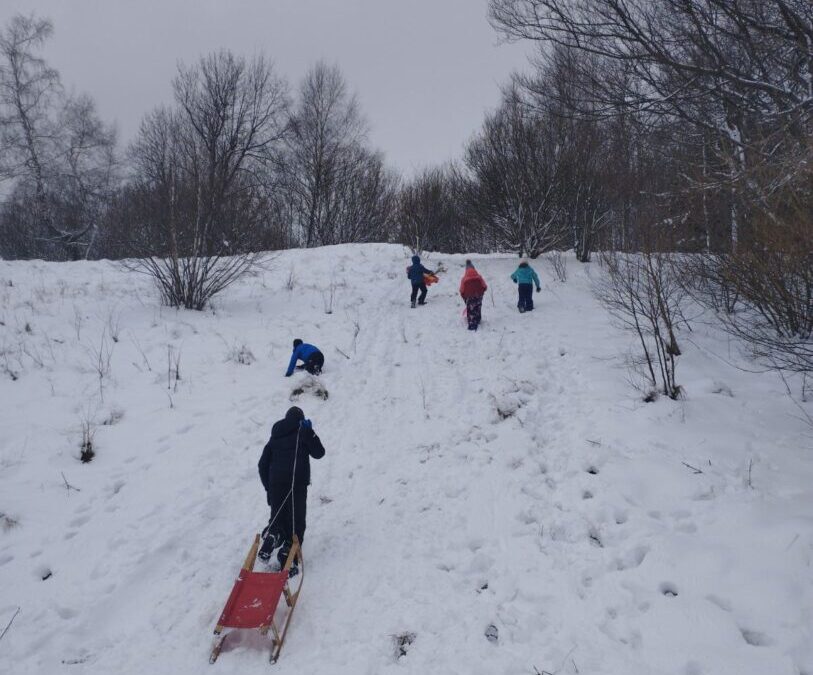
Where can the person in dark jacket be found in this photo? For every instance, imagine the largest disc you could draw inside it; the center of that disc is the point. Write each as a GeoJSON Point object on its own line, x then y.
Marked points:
{"type": "Point", "coordinates": [313, 360]}
{"type": "Point", "coordinates": [285, 472]}
{"type": "Point", "coordinates": [415, 273]}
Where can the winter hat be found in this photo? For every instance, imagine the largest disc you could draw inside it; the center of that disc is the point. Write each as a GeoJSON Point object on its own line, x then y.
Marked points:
{"type": "Point", "coordinates": [416, 259]}
{"type": "Point", "coordinates": [524, 263]}
{"type": "Point", "coordinates": [297, 342]}
{"type": "Point", "coordinates": [294, 413]}
{"type": "Point", "coordinates": [469, 264]}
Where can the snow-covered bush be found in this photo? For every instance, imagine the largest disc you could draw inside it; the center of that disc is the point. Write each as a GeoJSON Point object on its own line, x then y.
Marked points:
{"type": "Point", "coordinates": [558, 263]}
{"type": "Point", "coordinates": [7, 522]}
{"type": "Point", "coordinates": [241, 355]}
{"type": "Point", "coordinates": [87, 450]}
{"type": "Point", "coordinates": [642, 293]}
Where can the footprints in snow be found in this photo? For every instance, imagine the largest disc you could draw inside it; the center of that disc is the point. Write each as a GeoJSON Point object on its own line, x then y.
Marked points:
{"type": "Point", "coordinates": [632, 558]}
{"type": "Point", "coordinates": [668, 589]}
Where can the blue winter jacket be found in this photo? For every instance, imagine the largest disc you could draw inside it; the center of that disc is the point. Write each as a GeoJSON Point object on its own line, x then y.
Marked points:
{"type": "Point", "coordinates": [525, 275]}
{"type": "Point", "coordinates": [302, 352]}
{"type": "Point", "coordinates": [416, 271]}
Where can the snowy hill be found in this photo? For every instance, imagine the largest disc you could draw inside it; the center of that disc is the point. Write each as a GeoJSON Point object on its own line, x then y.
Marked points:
{"type": "Point", "coordinates": [508, 478]}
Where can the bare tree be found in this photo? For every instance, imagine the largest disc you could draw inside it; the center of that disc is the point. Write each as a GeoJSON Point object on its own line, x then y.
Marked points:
{"type": "Point", "coordinates": [28, 89]}
{"type": "Point", "coordinates": [513, 165]}
{"type": "Point", "coordinates": [325, 126]}
{"type": "Point", "coordinates": [87, 171]}
{"type": "Point", "coordinates": [338, 189]}
{"type": "Point", "coordinates": [431, 212]}
{"type": "Point", "coordinates": [740, 71]}
{"type": "Point", "coordinates": [200, 173]}
{"type": "Point", "coordinates": [642, 293]}
{"type": "Point", "coordinates": [58, 154]}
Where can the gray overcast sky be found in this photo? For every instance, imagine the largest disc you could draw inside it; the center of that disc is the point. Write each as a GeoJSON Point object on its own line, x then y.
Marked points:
{"type": "Point", "coordinates": [424, 70]}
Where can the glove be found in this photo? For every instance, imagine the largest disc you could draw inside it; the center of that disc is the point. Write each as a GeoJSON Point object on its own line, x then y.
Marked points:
{"type": "Point", "coordinates": [306, 424]}
{"type": "Point", "coordinates": [514, 280]}
{"type": "Point", "coordinates": [538, 290]}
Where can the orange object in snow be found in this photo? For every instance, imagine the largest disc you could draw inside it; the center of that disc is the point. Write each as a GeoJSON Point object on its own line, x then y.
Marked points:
{"type": "Point", "coordinates": [430, 279]}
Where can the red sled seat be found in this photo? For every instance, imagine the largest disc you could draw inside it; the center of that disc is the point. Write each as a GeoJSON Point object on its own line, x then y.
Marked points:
{"type": "Point", "coordinates": [254, 599]}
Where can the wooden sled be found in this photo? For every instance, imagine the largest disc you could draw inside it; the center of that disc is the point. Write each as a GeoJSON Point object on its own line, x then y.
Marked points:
{"type": "Point", "coordinates": [255, 597]}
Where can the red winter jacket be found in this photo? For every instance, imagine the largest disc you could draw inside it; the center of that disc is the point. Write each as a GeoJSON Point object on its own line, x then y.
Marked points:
{"type": "Point", "coordinates": [472, 285]}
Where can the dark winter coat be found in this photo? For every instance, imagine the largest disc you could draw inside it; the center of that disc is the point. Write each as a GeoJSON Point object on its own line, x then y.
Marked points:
{"type": "Point", "coordinates": [416, 271]}
{"type": "Point", "coordinates": [276, 465]}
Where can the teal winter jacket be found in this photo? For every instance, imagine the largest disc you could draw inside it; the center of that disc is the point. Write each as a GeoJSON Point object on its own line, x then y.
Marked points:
{"type": "Point", "coordinates": [525, 275]}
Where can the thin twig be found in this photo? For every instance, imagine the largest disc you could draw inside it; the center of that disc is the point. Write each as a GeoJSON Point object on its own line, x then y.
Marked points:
{"type": "Point", "coordinates": [342, 353]}
{"type": "Point", "coordinates": [68, 486]}
{"type": "Point", "coordinates": [591, 442]}
{"type": "Point", "coordinates": [8, 625]}
{"type": "Point", "coordinates": [807, 417]}
{"type": "Point", "coordinates": [693, 468]}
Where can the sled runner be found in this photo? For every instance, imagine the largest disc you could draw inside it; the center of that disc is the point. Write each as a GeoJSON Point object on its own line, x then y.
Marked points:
{"type": "Point", "coordinates": [254, 600]}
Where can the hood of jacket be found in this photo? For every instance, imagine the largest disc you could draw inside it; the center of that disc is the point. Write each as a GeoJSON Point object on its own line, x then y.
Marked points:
{"type": "Point", "coordinates": [289, 425]}
{"type": "Point", "coordinates": [416, 259]}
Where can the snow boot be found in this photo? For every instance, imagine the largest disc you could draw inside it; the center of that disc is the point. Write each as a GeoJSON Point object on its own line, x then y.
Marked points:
{"type": "Point", "coordinates": [271, 540]}
{"type": "Point", "coordinates": [413, 304]}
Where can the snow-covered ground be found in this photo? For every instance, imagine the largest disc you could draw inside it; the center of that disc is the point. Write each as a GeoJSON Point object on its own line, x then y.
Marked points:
{"type": "Point", "coordinates": [509, 477]}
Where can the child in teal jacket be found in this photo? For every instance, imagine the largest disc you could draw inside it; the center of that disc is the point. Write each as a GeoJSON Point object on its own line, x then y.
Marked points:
{"type": "Point", "coordinates": [525, 278]}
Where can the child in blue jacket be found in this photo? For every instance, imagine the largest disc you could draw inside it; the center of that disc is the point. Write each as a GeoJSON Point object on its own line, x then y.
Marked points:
{"type": "Point", "coordinates": [415, 272]}
{"type": "Point", "coordinates": [525, 278]}
{"type": "Point", "coordinates": [313, 359]}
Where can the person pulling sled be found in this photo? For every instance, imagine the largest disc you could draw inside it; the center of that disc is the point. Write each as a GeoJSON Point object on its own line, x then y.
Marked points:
{"type": "Point", "coordinates": [417, 273]}
{"type": "Point", "coordinates": [312, 359]}
{"type": "Point", "coordinates": [472, 289]}
{"type": "Point", "coordinates": [285, 472]}
{"type": "Point", "coordinates": [525, 277]}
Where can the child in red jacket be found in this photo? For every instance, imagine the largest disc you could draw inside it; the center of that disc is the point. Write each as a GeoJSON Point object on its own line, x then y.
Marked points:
{"type": "Point", "coordinates": [472, 290]}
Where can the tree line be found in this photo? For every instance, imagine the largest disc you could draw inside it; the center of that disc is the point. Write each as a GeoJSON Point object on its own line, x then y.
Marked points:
{"type": "Point", "coordinates": [682, 125]}
{"type": "Point", "coordinates": [237, 163]}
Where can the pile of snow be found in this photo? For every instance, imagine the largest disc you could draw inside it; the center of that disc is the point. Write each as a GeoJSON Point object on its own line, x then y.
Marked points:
{"type": "Point", "coordinates": [490, 502]}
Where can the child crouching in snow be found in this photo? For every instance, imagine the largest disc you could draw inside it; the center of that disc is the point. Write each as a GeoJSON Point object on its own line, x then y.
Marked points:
{"type": "Point", "coordinates": [472, 289]}
{"type": "Point", "coordinates": [313, 360]}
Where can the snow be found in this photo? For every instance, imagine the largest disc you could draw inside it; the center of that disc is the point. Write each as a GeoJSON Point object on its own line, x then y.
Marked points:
{"type": "Point", "coordinates": [503, 495]}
